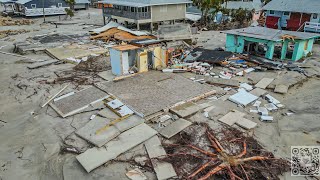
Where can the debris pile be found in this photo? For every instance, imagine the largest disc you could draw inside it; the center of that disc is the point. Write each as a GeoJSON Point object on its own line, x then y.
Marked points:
{"type": "Point", "coordinates": [94, 64]}
{"type": "Point", "coordinates": [115, 32]}
{"type": "Point", "coordinates": [6, 33]}
{"type": "Point", "coordinates": [201, 153]}
{"type": "Point", "coordinates": [8, 21]}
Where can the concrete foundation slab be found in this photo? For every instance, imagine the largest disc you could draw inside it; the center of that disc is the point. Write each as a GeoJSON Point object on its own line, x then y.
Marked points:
{"type": "Point", "coordinates": [151, 92]}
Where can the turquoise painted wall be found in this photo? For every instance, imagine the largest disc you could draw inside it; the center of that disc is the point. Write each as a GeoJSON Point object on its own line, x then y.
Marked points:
{"type": "Point", "coordinates": [115, 58]}
{"type": "Point", "coordinates": [236, 43]}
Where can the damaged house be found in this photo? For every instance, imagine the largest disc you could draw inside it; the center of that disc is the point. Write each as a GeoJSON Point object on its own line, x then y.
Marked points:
{"type": "Point", "coordinates": [293, 15]}
{"type": "Point", "coordinates": [38, 7]}
{"type": "Point", "coordinates": [254, 6]}
{"type": "Point", "coordinates": [150, 12]}
{"type": "Point", "coordinates": [271, 43]}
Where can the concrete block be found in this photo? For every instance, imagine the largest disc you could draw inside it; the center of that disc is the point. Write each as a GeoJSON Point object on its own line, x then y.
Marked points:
{"type": "Point", "coordinates": [174, 128]}
{"type": "Point", "coordinates": [96, 157]}
{"type": "Point", "coordinates": [164, 170]}
{"type": "Point", "coordinates": [189, 108]}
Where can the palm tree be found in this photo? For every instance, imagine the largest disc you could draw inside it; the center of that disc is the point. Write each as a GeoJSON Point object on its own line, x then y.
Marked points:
{"type": "Point", "coordinates": [206, 5]}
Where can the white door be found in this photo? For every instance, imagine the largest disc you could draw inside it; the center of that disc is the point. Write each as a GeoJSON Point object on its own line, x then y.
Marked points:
{"type": "Point", "coordinates": [125, 62]}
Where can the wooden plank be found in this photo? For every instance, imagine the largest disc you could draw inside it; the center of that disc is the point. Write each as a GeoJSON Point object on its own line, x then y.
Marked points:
{"type": "Point", "coordinates": [164, 170]}
{"type": "Point", "coordinates": [96, 157]}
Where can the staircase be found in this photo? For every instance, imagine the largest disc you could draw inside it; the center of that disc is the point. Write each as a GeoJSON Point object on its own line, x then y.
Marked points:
{"type": "Point", "coordinates": [312, 27]}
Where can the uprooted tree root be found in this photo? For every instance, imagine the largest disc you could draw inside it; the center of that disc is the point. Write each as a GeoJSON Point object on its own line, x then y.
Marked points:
{"type": "Point", "coordinates": [201, 153]}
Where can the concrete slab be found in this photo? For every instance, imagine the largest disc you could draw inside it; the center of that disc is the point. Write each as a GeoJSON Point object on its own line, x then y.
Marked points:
{"type": "Point", "coordinates": [246, 123]}
{"type": "Point", "coordinates": [232, 117]}
{"type": "Point", "coordinates": [188, 109]}
{"type": "Point", "coordinates": [264, 83]}
{"type": "Point", "coordinates": [128, 123]}
{"type": "Point", "coordinates": [95, 157]}
{"type": "Point", "coordinates": [107, 113]}
{"type": "Point", "coordinates": [174, 128]}
{"type": "Point", "coordinates": [243, 98]}
{"type": "Point", "coordinates": [258, 92]}
{"type": "Point", "coordinates": [164, 170]}
{"type": "Point", "coordinates": [89, 131]}
{"type": "Point", "coordinates": [151, 92]}
{"type": "Point", "coordinates": [281, 88]}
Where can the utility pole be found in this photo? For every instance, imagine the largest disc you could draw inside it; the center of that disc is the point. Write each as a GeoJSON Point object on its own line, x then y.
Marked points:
{"type": "Point", "coordinates": [44, 16]}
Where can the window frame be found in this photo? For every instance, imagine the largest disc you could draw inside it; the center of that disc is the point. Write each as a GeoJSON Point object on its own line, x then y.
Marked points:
{"type": "Point", "coordinates": [271, 12]}
{"type": "Point", "coordinates": [33, 6]}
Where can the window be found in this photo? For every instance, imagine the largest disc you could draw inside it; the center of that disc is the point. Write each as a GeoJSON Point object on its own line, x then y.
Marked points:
{"type": "Point", "coordinates": [33, 6]}
{"type": "Point", "coordinates": [59, 5]}
{"type": "Point", "coordinates": [315, 16]}
{"type": "Point", "coordinates": [132, 9]}
{"type": "Point", "coordinates": [163, 8]}
{"type": "Point", "coordinates": [286, 13]}
{"type": "Point", "coordinates": [271, 12]}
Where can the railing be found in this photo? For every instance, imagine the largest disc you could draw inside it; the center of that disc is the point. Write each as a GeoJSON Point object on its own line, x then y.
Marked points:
{"type": "Point", "coordinates": [127, 14]}
{"type": "Point", "coordinates": [312, 27]}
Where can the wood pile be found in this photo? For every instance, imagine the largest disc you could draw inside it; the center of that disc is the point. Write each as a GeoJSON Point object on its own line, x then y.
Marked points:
{"type": "Point", "coordinates": [8, 21]}
{"type": "Point", "coordinates": [120, 35]}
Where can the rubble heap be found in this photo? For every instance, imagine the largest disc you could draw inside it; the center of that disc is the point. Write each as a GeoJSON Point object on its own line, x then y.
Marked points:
{"type": "Point", "coordinates": [8, 21]}
{"type": "Point", "coordinates": [7, 33]}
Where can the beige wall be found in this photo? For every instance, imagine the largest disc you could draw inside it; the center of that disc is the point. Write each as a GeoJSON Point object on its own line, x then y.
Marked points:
{"type": "Point", "coordinates": [174, 11]}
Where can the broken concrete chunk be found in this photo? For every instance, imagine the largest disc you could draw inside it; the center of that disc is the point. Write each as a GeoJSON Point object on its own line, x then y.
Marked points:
{"type": "Point", "coordinates": [174, 128]}
{"type": "Point", "coordinates": [263, 111]}
{"type": "Point", "coordinates": [232, 117]}
{"type": "Point", "coordinates": [164, 118]}
{"type": "Point", "coordinates": [270, 106]}
{"type": "Point", "coordinates": [281, 88]}
{"type": "Point", "coordinates": [91, 133]}
{"type": "Point", "coordinates": [243, 98]}
{"type": "Point", "coordinates": [264, 83]}
{"type": "Point", "coordinates": [257, 104]}
{"type": "Point", "coordinates": [266, 118]}
{"type": "Point", "coordinates": [272, 99]}
{"type": "Point", "coordinates": [164, 170]}
{"type": "Point", "coordinates": [136, 174]}
{"type": "Point", "coordinates": [95, 157]}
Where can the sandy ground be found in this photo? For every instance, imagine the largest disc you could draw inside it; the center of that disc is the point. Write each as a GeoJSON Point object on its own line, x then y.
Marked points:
{"type": "Point", "coordinates": [31, 137]}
